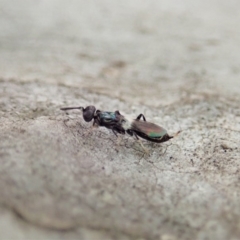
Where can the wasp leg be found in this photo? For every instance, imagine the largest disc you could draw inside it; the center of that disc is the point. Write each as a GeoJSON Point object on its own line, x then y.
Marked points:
{"type": "Point", "coordinates": [64, 121]}
{"type": "Point", "coordinates": [139, 117]}
{"type": "Point", "coordinates": [91, 129]}
{"type": "Point", "coordinates": [119, 141]}
{"type": "Point", "coordinates": [114, 132]}
{"type": "Point", "coordinates": [140, 142]}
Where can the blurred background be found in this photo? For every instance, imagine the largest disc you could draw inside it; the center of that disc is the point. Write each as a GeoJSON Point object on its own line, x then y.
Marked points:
{"type": "Point", "coordinates": [157, 52]}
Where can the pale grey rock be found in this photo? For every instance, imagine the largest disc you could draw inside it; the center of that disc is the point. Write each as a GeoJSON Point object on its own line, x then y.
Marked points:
{"type": "Point", "coordinates": [177, 63]}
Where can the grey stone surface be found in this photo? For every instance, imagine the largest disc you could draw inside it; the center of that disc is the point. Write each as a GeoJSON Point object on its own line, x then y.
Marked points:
{"type": "Point", "coordinates": [178, 63]}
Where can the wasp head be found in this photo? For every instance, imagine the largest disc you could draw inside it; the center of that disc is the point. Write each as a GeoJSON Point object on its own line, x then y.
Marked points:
{"type": "Point", "coordinates": [88, 113]}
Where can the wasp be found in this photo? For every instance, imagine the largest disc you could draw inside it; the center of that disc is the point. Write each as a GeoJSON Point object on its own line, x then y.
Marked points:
{"type": "Point", "coordinates": [120, 125]}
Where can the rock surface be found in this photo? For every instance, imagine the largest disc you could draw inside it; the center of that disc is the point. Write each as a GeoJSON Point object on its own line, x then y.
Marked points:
{"type": "Point", "coordinates": [178, 63]}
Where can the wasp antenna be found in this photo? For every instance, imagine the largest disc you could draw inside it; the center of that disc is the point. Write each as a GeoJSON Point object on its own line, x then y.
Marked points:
{"type": "Point", "coordinates": [71, 108]}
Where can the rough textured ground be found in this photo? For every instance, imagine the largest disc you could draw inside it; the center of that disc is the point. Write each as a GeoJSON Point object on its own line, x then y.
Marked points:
{"type": "Point", "coordinates": [178, 63]}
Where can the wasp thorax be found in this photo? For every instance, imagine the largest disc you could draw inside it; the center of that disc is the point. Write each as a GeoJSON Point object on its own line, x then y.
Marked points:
{"type": "Point", "coordinates": [88, 113]}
